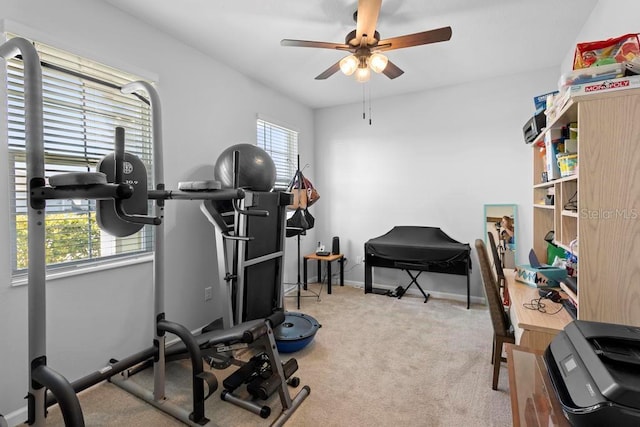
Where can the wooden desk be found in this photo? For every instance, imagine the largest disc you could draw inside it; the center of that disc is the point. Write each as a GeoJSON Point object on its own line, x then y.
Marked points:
{"type": "Point", "coordinates": [533, 400]}
{"type": "Point", "coordinates": [533, 329]}
{"type": "Point", "coordinates": [329, 259]}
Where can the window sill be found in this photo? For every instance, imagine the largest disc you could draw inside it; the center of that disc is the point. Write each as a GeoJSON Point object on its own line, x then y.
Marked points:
{"type": "Point", "coordinates": [86, 269]}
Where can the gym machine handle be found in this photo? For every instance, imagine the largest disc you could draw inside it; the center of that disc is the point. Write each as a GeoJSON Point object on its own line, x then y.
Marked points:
{"type": "Point", "coordinates": [197, 195]}
{"type": "Point", "coordinates": [69, 404]}
{"type": "Point", "coordinates": [236, 184]}
{"type": "Point", "coordinates": [247, 212]}
{"type": "Point", "coordinates": [80, 191]}
{"type": "Point", "coordinates": [241, 238]}
{"type": "Point", "coordinates": [136, 219]}
{"type": "Point", "coordinates": [119, 162]}
{"type": "Point", "coordinates": [260, 329]}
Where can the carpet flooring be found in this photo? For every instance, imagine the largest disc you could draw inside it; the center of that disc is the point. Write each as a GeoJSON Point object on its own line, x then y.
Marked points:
{"type": "Point", "coordinates": [375, 361]}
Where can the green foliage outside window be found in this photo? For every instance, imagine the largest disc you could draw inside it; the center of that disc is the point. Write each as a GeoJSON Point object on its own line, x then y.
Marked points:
{"type": "Point", "coordinates": [69, 237]}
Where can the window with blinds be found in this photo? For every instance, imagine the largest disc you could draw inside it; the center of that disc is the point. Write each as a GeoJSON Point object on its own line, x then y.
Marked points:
{"type": "Point", "coordinates": [82, 107]}
{"type": "Point", "coordinates": [282, 145]}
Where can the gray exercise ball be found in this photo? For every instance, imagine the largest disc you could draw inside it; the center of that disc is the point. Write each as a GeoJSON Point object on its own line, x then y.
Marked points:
{"type": "Point", "coordinates": [257, 170]}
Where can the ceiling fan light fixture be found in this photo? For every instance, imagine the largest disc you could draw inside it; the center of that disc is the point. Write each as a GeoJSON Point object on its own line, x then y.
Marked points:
{"type": "Point", "coordinates": [349, 65]}
{"type": "Point", "coordinates": [365, 44]}
{"type": "Point", "coordinates": [378, 62]}
{"type": "Point", "coordinates": [363, 74]}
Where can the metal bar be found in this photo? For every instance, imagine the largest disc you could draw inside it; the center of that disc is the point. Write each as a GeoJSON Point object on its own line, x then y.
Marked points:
{"type": "Point", "coordinates": [468, 280]}
{"type": "Point", "coordinates": [197, 195]}
{"type": "Point", "coordinates": [257, 409]}
{"type": "Point", "coordinates": [288, 405]}
{"type": "Point", "coordinates": [197, 386]}
{"type": "Point", "coordinates": [239, 254]}
{"type": "Point", "coordinates": [34, 137]}
{"type": "Point", "coordinates": [106, 372]}
{"type": "Point", "coordinates": [164, 405]}
{"type": "Point", "coordinates": [159, 251]}
{"type": "Point", "coordinates": [295, 403]}
{"type": "Point", "coordinates": [263, 258]}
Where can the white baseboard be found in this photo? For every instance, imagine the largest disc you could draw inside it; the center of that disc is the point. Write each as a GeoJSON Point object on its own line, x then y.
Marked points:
{"type": "Point", "coordinates": [291, 287]}
{"type": "Point", "coordinates": [416, 292]}
{"type": "Point", "coordinates": [16, 417]}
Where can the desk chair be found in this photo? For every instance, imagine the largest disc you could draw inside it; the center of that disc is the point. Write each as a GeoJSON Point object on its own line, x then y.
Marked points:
{"type": "Point", "coordinates": [497, 262]}
{"type": "Point", "coordinates": [502, 332]}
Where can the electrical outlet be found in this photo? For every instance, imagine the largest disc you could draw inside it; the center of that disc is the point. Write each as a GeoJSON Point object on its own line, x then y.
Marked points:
{"type": "Point", "coordinates": [359, 259]}
{"type": "Point", "coordinates": [208, 293]}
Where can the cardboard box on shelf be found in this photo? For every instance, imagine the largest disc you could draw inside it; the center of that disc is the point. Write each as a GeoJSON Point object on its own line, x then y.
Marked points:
{"type": "Point", "coordinates": [591, 75]}
{"type": "Point", "coordinates": [552, 142]}
{"type": "Point", "coordinates": [540, 101]}
{"type": "Point", "coordinates": [610, 85]}
{"type": "Point", "coordinates": [570, 146]}
{"type": "Point", "coordinates": [540, 277]}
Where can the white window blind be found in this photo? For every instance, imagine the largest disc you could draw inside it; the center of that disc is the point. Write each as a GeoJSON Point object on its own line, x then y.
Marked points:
{"type": "Point", "coordinates": [82, 107]}
{"type": "Point", "coordinates": [282, 145]}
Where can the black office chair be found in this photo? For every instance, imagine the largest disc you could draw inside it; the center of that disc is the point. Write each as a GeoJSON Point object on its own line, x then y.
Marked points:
{"type": "Point", "coordinates": [497, 262]}
{"type": "Point", "coordinates": [502, 332]}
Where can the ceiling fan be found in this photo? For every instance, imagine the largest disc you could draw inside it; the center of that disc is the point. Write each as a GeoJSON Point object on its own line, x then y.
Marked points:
{"type": "Point", "coordinates": [365, 45]}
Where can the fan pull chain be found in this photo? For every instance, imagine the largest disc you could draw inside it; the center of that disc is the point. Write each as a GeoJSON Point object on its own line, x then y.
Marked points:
{"type": "Point", "coordinates": [363, 115]}
{"type": "Point", "coordinates": [369, 105]}
{"type": "Point", "coordinates": [364, 101]}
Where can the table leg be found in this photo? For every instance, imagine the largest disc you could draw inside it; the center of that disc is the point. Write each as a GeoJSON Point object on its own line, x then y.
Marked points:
{"type": "Point", "coordinates": [298, 286]}
{"type": "Point", "coordinates": [304, 268]}
{"type": "Point", "coordinates": [368, 277]}
{"type": "Point", "coordinates": [468, 285]}
{"type": "Point", "coordinates": [341, 271]}
{"type": "Point", "coordinates": [329, 277]}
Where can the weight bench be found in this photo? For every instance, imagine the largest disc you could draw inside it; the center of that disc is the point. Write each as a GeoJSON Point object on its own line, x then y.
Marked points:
{"type": "Point", "coordinates": [264, 373]}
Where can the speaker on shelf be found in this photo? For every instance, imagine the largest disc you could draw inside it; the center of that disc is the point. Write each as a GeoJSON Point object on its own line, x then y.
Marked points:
{"type": "Point", "coordinates": [335, 247]}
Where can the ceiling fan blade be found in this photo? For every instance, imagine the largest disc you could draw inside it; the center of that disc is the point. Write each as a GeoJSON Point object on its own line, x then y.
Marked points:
{"type": "Point", "coordinates": [425, 37]}
{"type": "Point", "coordinates": [392, 71]}
{"type": "Point", "coordinates": [329, 71]}
{"type": "Point", "coordinates": [307, 43]}
{"type": "Point", "coordinates": [368, 11]}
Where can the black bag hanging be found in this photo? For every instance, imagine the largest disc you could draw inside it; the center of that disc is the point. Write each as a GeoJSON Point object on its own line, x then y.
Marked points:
{"type": "Point", "coordinates": [311, 221]}
{"type": "Point", "coordinates": [297, 224]}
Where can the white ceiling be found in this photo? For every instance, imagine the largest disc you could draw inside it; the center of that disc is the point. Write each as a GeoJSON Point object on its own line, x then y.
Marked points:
{"type": "Point", "coordinates": [490, 38]}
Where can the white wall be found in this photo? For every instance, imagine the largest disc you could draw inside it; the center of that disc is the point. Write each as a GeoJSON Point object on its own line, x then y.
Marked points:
{"type": "Point", "coordinates": [206, 107]}
{"type": "Point", "coordinates": [433, 159]}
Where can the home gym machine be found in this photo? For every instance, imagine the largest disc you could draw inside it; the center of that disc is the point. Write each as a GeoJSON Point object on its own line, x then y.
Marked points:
{"type": "Point", "coordinates": [258, 221]}
{"type": "Point", "coordinates": [120, 202]}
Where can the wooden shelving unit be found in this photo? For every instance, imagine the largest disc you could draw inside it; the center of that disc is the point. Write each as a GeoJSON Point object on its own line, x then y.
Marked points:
{"type": "Point", "coordinates": [605, 219]}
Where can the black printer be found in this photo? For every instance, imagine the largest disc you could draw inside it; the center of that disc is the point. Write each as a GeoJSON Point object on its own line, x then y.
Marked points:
{"type": "Point", "coordinates": [595, 370]}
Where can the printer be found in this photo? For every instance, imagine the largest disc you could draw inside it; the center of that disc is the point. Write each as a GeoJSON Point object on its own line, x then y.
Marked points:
{"type": "Point", "coordinates": [595, 371]}
{"type": "Point", "coordinates": [533, 127]}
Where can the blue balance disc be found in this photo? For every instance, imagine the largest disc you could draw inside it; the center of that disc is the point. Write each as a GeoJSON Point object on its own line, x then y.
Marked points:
{"type": "Point", "coordinates": [295, 333]}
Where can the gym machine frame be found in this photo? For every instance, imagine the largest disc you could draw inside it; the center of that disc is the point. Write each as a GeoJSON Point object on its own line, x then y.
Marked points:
{"type": "Point", "coordinates": [247, 253]}
{"type": "Point", "coordinates": [247, 331]}
{"type": "Point", "coordinates": [75, 186]}
{"type": "Point", "coordinates": [94, 186]}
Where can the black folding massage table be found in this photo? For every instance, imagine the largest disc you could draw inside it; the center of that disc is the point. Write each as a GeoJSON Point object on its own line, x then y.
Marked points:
{"type": "Point", "coordinates": [413, 248]}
